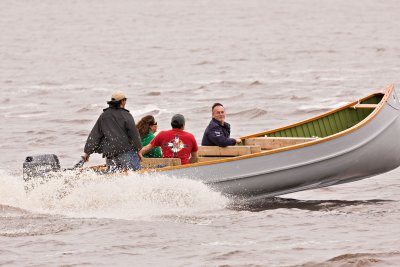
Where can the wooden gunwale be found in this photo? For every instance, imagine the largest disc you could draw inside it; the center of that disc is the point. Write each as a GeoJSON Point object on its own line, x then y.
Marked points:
{"type": "Point", "coordinates": [387, 92]}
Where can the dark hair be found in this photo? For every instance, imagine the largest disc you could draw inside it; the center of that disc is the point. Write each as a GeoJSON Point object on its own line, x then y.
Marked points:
{"type": "Point", "coordinates": [177, 121]}
{"type": "Point", "coordinates": [144, 125]}
{"type": "Point", "coordinates": [114, 103]}
{"type": "Point", "coordinates": [216, 105]}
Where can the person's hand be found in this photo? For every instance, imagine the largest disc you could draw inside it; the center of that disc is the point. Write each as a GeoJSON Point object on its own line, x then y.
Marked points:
{"type": "Point", "coordinates": [86, 157]}
{"type": "Point", "coordinates": [140, 155]}
{"type": "Point", "coordinates": [238, 140]}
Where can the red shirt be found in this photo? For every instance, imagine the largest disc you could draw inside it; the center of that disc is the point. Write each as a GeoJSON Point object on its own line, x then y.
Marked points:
{"type": "Point", "coordinates": [176, 143]}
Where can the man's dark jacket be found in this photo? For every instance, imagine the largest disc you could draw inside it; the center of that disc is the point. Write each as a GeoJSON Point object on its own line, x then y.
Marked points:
{"type": "Point", "coordinates": [114, 133]}
{"type": "Point", "coordinates": [217, 134]}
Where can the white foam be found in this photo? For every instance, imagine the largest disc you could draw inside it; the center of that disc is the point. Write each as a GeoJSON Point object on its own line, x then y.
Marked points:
{"type": "Point", "coordinates": [148, 109]}
{"type": "Point", "coordinates": [12, 191]}
{"type": "Point", "coordinates": [134, 196]}
{"type": "Point", "coordinates": [27, 115]}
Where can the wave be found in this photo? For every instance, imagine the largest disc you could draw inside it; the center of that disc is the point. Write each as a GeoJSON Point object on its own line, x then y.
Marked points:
{"type": "Point", "coordinates": [49, 83]}
{"type": "Point", "coordinates": [5, 101]}
{"type": "Point", "coordinates": [133, 196]}
{"type": "Point", "coordinates": [72, 121]}
{"type": "Point", "coordinates": [359, 259]}
{"type": "Point", "coordinates": [290, 203]}
{"type": "Point", "coordinates": [32, 114]}
{"type": "Point", "coordinates": [9, 211]}
{"type": "Point", "coordinates": [231, 83]}
{"type": "Point", "coordinates": [250, 113]}
{"type": "Point", "coordinates": [205, 62]}
{"type": "Point", "coordinates": [89, 108]}
{"type": "Point", "coordinates": [154, 93]}
{"type": "Point", "coordinates": [256, 83]}
{"type": "Point", "coordinates": [148, 110]}
{"type": "Point", "coordinates": [40, 132]}
{"type": "Point", "coordinates": [295, 97]}
{"type": "Point", "coordinates": [11, 190]}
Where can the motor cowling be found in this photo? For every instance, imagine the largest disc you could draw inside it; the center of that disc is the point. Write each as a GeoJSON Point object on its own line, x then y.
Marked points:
{"type": "Point", "coordinates": [40, 165]}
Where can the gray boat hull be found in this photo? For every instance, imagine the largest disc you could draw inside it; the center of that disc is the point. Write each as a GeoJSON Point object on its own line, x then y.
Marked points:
{"type": "Point", "coordinates": [362, 152]}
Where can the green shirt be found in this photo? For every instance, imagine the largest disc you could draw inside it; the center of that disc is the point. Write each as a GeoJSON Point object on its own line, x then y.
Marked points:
{"type": "Point", "coordinates": [155, 152]}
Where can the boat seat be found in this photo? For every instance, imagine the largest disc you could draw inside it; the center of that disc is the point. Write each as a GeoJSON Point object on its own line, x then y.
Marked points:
{"type": "Point", "coordinates": [229, 151]}
{"type": "Point", "coordinates": [267, 143]}
{"type": "Point", "coordinates": [159, 162]}
{"type": "Point", "coordinates": [364, 106]}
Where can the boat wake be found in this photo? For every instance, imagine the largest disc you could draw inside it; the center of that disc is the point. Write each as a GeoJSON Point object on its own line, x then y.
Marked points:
{"type": "Point", "coordinates": [290, 203]}
{"type": "Point", "coordinates": [87, 195]}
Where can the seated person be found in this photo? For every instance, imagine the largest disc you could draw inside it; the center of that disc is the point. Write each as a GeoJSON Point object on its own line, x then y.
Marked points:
{"type": "Point", "coordinates": [147, 127]}
{"type": "Point", "coordinates": [175, 143]}
{"type": "Point", "coordinates": [218, 131]}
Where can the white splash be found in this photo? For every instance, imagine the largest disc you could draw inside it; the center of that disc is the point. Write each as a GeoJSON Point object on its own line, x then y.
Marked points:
{"type": "Point", "coordinates": [148, 109]}
{"type": "Point", "coordinates": [132, 196]}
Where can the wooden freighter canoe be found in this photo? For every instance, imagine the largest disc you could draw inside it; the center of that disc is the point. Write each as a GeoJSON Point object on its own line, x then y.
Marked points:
{"type": "Point", "coordinates": [355, 141]}
{"type": "Point", "coordinates": [352, 142]}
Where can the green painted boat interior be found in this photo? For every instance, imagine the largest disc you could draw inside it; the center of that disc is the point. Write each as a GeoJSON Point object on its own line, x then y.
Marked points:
{"type": "Point", "coordinates": [330, 124]}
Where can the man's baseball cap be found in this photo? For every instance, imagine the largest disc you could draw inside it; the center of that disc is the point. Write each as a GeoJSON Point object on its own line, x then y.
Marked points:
{"type": "Point", "coordinates": [118, 96]}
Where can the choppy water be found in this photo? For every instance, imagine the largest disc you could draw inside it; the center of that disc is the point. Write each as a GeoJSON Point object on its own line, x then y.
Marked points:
{"type": "Point", "coordinates": [270, 62]}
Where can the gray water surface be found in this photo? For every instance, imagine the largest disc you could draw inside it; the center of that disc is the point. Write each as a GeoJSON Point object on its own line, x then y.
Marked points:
{"type": "Point", "coordinates": [270, 63]}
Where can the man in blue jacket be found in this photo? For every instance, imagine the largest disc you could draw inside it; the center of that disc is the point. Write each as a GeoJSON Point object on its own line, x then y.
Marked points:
{"type": "Point", "coordinates": [218, 131]}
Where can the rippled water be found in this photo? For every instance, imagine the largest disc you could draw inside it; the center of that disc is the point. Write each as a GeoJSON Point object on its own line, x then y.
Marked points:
{"type": "Point", "coordinates": [270, 62]}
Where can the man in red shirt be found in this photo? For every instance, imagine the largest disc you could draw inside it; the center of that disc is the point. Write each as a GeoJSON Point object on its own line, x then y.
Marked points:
{"type": "Point", "coordinates": [175, 143]}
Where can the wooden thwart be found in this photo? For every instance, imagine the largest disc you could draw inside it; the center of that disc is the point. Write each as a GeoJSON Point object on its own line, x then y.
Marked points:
{"type": "Point", "coordinates": [364, 106]}
{"type": "Point", "coordinates": [276, 142]}
{"type": "Point", "coordinates": [160, 162]}
{"type": "Point", "coordinates": [229, 151]}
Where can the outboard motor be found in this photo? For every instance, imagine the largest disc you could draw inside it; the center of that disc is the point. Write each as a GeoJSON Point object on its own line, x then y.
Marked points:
{"type": "Point", "coordinates": [40, 165]}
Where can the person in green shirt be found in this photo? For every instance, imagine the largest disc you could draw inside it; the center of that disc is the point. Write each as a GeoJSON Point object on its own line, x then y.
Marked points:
{"type": "Point", "coordinates": [147, 127]}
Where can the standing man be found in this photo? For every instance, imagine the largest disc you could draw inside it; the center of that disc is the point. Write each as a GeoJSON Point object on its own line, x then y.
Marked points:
{"type": "Point", "coordinates": [218, 131]}
{"type": "Point", "coordinates": [175, 143]}
{"type": "Point", "coordinates": [116, 136]}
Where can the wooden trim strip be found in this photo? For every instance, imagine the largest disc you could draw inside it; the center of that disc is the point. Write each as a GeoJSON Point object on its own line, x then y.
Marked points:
{"type": "Point", "coordinates": [227, 151]}
{"type": "Point", "coordinates": [364, 106]}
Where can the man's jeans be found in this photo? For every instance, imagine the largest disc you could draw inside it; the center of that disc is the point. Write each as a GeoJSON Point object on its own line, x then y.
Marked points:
{"type": "Point", "coordinates": [125, 161]}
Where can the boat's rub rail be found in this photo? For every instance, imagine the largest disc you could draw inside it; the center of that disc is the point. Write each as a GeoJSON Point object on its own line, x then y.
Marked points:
{"type": "Point", "coordinates": [204, 159]}
{"type": "Point", "coordinates": [268, 143]}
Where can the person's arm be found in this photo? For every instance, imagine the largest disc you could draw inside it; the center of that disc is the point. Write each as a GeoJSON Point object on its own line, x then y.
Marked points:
{"type": "Point", "coordinates": [145, 150]}
{"type": "Point", "coordinates": [85, 157]}
{"type": "Point", "coordinates": [193, 157]}
{"type": "Point", "coordinates": [93, 141]}
{"type": "Point", "coordinates": [217, 137]}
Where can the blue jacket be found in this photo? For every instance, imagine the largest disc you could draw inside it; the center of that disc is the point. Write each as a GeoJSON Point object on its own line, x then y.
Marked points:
{"type": "Point", "coordinates": [217, 135]}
